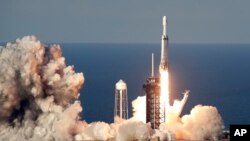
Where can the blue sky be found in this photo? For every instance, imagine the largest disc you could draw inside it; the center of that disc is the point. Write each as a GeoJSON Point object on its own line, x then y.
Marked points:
{"type": "Point", "coordinates": [130, 21]}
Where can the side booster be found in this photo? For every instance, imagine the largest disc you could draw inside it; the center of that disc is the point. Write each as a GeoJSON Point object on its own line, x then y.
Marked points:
{"type": "Point", "coordinates": [164, 47]}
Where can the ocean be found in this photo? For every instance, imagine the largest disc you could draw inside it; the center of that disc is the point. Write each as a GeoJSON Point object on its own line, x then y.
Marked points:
{"type": "Point", "coordinates": [216, 75]}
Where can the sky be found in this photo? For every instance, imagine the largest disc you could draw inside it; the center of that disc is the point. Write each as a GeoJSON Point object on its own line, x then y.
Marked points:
{"type": "Point", "coordinates": [126, 21]}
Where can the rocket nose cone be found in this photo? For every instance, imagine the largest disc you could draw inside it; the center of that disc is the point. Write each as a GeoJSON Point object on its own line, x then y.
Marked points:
{"type": "Point", "coordinates": [164, 20]}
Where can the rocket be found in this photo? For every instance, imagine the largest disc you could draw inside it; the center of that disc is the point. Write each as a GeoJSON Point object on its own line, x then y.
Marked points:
{"type": "Point", "coordinates": [164, 46]}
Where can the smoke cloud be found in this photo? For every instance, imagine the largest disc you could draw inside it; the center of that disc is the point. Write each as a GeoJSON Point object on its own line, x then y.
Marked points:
{"type": "Point", "coordinates": [139, 108]}
{"type": "Point", "coordinates": [37, 92]}
{"type": "Point", "coordinates": [39, 102]}
{"type": "Point", "coordinates": [203, 123]}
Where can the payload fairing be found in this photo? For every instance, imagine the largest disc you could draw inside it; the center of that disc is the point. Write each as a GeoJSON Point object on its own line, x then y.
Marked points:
{"type": "Point", "coordinates": [164, 46]}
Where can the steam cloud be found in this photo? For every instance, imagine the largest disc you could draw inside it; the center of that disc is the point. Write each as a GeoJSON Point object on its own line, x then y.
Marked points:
{"type": "Point", "coordinates": [203, 122]}
{"type": "Point", "coordinates": [38, 102]}
{"type": "Point", "coordinates": [37, 92]}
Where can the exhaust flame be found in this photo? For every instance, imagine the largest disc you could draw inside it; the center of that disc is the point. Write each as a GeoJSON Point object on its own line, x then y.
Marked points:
{"type": "Point", "coordinates": [166, 108]}
{"type": "Point", "coordinates": [164, 92]}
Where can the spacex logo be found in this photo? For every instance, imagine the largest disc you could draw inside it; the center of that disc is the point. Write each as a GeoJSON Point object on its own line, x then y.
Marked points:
{"type": "Point", "coordinates": [239, 133]}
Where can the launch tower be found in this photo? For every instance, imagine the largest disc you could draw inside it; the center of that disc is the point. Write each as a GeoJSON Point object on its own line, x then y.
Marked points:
{"type": "Point", "coordinates": [152, 90]}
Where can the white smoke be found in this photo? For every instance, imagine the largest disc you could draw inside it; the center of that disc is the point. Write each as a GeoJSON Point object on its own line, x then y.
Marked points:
{"type": "Point", "coordinates": [37, 92]}
{"type": "Point", "coordinates": [203, 123]}
{"type": "Point", "coordinates": [133, 130]}
{"type": "Point", "coordinates": [96, 131]}
{"type": "Point", "coordinates": [139, 108]}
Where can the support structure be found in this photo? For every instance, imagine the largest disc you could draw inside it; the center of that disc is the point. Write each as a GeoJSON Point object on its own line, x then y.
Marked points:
{"type": "Point", "coordinates": [152, 90]}
{"type": "Point", "coordinates": [121, 100]}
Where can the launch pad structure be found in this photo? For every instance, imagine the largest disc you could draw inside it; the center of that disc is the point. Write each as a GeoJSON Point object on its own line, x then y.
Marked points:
{"type": "Point", "coordinates": [152, 90]}
{"type": "Point", "coordinates": [155, 113]}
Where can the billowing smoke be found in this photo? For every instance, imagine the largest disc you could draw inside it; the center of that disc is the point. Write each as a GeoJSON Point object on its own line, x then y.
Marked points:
{"type": "Point", "coordinates": [122, 130]}
{"type": "Point", "coordinates": [37, 92]}
{"type": "Point", "coordinates": [203, 122]}
{"type": "Point", "coordinates": [139, 108]}
{"type": "Point", "coordinates": [39, 102]}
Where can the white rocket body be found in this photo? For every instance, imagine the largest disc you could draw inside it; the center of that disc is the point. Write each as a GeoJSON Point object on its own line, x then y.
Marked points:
{"type": "Point", "coordinates": [164, 47]}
